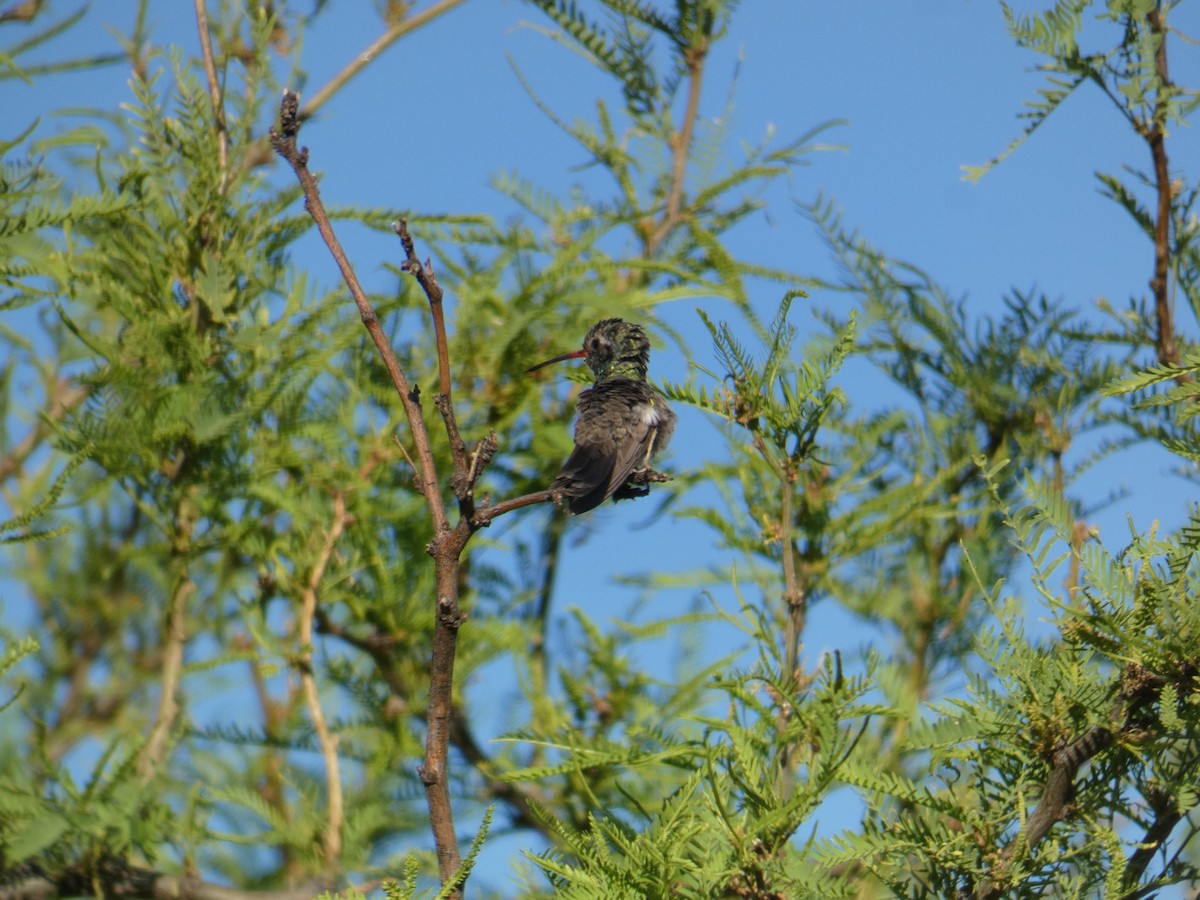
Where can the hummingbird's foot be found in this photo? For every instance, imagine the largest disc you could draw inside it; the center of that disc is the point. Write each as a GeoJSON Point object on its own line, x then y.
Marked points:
{"type": "Point", "coordinates": [645, 476]}
{"type": "Point", "coordinates": [638, 483]}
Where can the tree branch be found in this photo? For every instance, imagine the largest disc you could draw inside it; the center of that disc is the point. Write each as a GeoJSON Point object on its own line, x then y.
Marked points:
{"type": "Point", "coordinates": [1165, 819]}
{"type": "Point", "coordinates": [448, 543]}
{"type": "Point", "coordinates": [1139, 688]}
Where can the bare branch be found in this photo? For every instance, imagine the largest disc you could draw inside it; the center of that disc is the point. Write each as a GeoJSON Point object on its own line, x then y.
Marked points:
{"type": "Point", "coordinates": [425, 277]}
{"type": "Point", "coordinates": [448, 543]}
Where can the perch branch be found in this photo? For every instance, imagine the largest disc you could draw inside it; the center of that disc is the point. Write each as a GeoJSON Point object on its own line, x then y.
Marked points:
{"type": "Point", "coordinates": [486, 513]}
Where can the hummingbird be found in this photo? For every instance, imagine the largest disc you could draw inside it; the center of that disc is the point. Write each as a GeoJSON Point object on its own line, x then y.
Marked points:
{"type": "Point", "coordinates": [623, 421]}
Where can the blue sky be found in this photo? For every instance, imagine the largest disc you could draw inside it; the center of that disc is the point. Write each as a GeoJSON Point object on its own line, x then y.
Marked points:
{"type": "Point", "coordinates": [924, 86]}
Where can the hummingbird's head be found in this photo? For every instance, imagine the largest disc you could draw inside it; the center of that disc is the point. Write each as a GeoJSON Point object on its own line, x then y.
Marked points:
{"type": "Point", "coordinates": [612, 348]}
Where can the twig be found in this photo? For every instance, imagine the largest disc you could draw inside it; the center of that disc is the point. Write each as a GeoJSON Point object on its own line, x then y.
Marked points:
{"type": "Point", "coordinates": [796, 607]}
{"type": "Point", "coordinates": [395, 31]}
{"type": "Point", "coordinates": [681, 147]}
{"type": "Point", "coordinates": [152, 751]}
{"type": "Point", "coordinates": [1168, 353]}
{"type": "Point", "coordinates": [1165, 820]}
{"type": "Point", "coordinates": [425, 277]}
{"type": "Point", "coordinates": [327, 740]}
{"type": "Point", "coordinates": [464, 471]}
{"type": "Point", "coordinates": [62, 400]}
{"type": "Point", "coordinates": [214, 89]}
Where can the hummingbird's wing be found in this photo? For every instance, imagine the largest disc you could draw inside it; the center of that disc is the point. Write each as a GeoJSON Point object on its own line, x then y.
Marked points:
{"type": "Point", "coordinates": [618, 421]}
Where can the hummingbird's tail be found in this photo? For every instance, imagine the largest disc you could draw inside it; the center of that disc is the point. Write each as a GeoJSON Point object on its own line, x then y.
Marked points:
{"type": "Point", "coordinates": [585, 480]}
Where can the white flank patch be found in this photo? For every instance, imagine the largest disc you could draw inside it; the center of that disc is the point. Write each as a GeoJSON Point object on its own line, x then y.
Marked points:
{"type": "Point", "coordinates": [650, 415]}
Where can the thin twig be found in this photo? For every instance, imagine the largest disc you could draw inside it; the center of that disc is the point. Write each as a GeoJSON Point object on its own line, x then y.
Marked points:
{"type": "Point", "coordinates": [423, 273]}
{"type": "Point", "coordinates": [1168, 352]}
{"type": "Point", "coordinates": [327, 740]}
{"type": "Point", "coordinates": [152, 751]}
{"type": "Point", "coordinates": [214, 89]}
{"type": "Point", "coordinates": [395, 31]}
{"type": "Point", "coordinates": [795, 609]}
{"type": "Point", "coordinates": [168, 706]}
{"type": "Point", "coordinates": [681, 148]}
{"type": "Point", "coordinates": [425, 277]}
{"type": "Point", "coordinates": [62, 400]}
